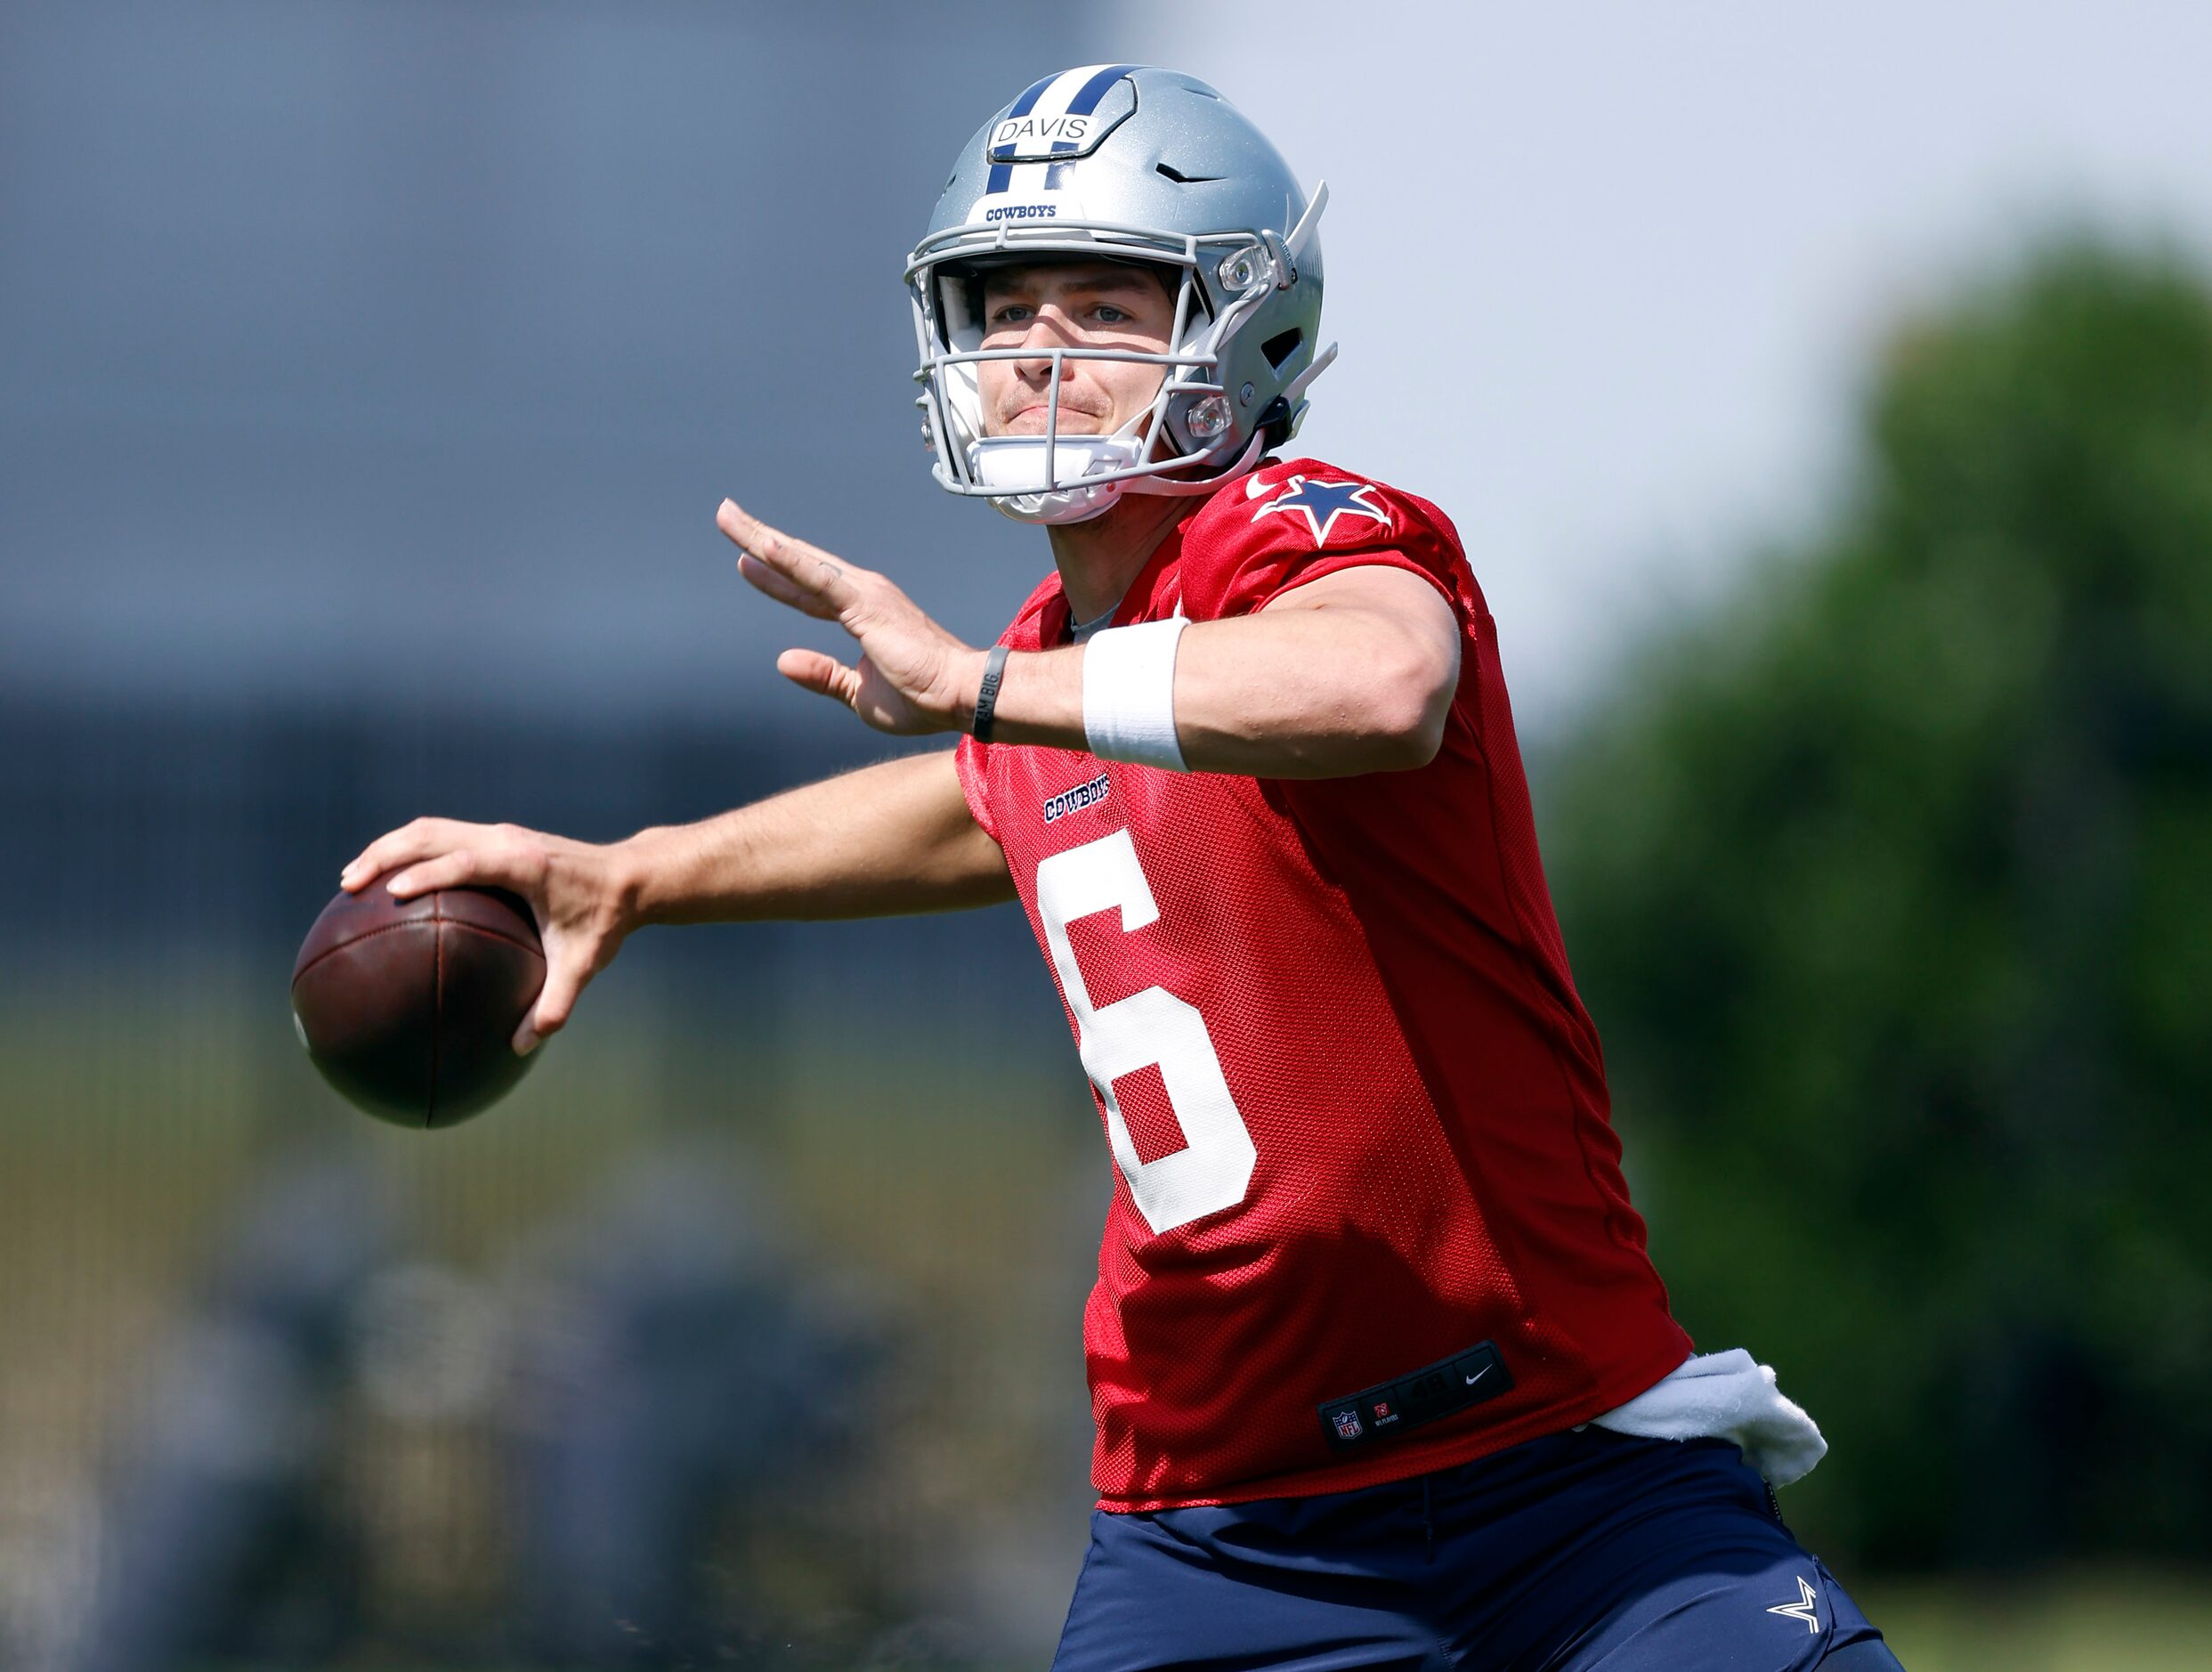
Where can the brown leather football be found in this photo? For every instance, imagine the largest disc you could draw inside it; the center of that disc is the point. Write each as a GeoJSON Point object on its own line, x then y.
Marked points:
{"type": "Point", "coordinates": [409, 1007]}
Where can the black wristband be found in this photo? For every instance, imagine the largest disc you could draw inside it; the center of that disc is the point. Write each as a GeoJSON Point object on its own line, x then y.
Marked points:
{"type": "Point", "coordinates": [987, 692]}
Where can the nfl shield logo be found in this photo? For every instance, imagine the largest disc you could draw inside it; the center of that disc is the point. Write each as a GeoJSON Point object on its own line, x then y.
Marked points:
{"type": "Point", "coordinates": [1347, 1423]}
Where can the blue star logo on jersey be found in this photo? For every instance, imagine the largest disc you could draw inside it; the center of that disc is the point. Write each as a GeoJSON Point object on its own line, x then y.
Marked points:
{"type": "Point", "coordinates": [1322, 502]}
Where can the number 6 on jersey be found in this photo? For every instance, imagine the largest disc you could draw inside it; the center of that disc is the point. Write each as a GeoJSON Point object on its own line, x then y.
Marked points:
{"type": "Point", "coordinates": [1150, 1029]}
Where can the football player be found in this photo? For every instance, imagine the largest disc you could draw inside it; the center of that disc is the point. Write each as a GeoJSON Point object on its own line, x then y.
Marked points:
{"type": "Point", "coordinates": [1380, 1372]}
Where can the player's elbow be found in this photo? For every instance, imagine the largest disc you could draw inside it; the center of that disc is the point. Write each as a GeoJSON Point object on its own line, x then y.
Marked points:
{"type": "Point", "coordinates": [1410, 702]}
{"type": "Point", "coordinates": [1403, 742]}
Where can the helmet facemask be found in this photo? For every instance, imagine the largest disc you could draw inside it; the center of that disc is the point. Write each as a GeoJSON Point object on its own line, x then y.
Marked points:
{"type": "Point", "coordinates": [1127, 164]}
{"type": "Point", "coordinates": [1186, 441]}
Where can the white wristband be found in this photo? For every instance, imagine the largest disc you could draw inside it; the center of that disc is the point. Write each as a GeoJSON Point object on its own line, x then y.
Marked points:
{"type": "Point", "coordinates": [1129, 694]}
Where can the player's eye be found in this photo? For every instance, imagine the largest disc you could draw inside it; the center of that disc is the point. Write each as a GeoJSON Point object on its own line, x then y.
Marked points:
{"type": "Point", "coordinates": [1010, 314]}
{"type": "Point", "coordinates": [1108, 314]}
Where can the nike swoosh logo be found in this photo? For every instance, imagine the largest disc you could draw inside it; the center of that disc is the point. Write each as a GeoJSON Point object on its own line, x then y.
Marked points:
{"type": "Point", "coordinates": [1477, 1376]}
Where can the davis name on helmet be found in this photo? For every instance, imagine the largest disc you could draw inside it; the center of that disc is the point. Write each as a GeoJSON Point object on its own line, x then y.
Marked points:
{"type": "Point", "coordinates": [1122, 163]}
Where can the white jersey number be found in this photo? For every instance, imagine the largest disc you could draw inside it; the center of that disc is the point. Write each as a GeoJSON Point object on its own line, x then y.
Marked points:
{"type": "Point", "coordinates": [1154, 1028]}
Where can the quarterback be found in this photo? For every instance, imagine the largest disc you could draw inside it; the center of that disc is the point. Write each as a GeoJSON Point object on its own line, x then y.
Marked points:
{"type": "Point", "coordinates": [1380, 1372]}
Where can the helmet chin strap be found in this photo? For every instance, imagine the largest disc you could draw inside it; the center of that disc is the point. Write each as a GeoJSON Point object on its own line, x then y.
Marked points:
{"type": "Point", "coordinates": [1175, 485]}
{"type": "Point", "coordinates": [1018, 463]}
{"type": "Point", "coordinates": [1079, 502]}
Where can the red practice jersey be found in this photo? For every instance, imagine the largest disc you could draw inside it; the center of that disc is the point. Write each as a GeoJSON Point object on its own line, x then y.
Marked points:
{"type": "Point", "coordinates": [1369, 1218]}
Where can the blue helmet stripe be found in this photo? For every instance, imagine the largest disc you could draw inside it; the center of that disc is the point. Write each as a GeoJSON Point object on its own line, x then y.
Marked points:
{"type": "Point", "coordinates": [1002, 173]}
{"type": "Point", "coordinates": [1028, 103]}
{"type": "Point", "coordinates": [1086, 100]}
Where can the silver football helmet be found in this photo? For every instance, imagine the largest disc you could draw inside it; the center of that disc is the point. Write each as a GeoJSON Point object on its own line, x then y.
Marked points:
{"type": "Point", "coordinates": [1122, 163]}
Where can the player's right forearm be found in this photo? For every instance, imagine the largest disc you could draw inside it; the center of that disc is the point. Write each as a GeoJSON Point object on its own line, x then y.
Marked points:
{"type": "Point", "coordinates": [888, 839]}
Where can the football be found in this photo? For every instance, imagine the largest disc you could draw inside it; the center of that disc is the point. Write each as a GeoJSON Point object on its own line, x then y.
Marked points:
{"type": "Point", "coordinates": [409, 1007]}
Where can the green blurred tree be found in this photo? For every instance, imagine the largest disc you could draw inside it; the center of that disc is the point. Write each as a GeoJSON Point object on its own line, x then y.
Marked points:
{"type": "Point", "coordinates": [1890, 887]}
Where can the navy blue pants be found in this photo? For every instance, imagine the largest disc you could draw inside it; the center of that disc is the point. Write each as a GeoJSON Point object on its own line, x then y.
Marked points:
{"type": "Point", "coordinates": [1571, 1553]}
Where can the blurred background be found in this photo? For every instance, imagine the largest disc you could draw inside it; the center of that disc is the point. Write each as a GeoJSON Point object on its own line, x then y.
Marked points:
{"type": "Point", "coordinates": [1826, 397]}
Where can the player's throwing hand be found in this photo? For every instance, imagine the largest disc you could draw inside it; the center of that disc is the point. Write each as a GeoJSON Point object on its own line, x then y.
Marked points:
{"type": "Point", "coordinates": [913, 677]}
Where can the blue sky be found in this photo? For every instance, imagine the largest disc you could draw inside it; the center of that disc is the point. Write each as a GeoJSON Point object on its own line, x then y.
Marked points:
{"type": "Point", "coordinates": [1607, 277]}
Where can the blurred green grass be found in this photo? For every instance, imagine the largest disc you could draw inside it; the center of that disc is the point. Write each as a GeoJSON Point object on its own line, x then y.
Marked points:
{"type": "Point", "coordinates": [2105, 1621]}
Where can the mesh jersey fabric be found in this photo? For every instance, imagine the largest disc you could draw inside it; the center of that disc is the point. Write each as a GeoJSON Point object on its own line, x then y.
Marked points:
{"type": "Point", "coordinates": [1384, 1136]}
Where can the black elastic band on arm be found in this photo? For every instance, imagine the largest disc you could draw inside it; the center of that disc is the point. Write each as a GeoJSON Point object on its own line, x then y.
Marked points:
{"type": "Point", "coordinates": [987, 693]}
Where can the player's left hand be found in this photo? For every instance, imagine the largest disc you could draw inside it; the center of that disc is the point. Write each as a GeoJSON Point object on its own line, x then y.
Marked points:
{"type": "Point", "coordinates": [912, 676]}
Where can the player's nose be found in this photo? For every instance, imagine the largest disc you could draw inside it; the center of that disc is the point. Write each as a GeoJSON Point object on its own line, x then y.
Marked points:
{"type": "Point", "coordinates": [1049, 329]}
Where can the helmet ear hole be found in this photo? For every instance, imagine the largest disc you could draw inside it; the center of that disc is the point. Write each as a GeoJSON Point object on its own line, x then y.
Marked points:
{"type": "Point", "coordinates": [1282, 345]}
